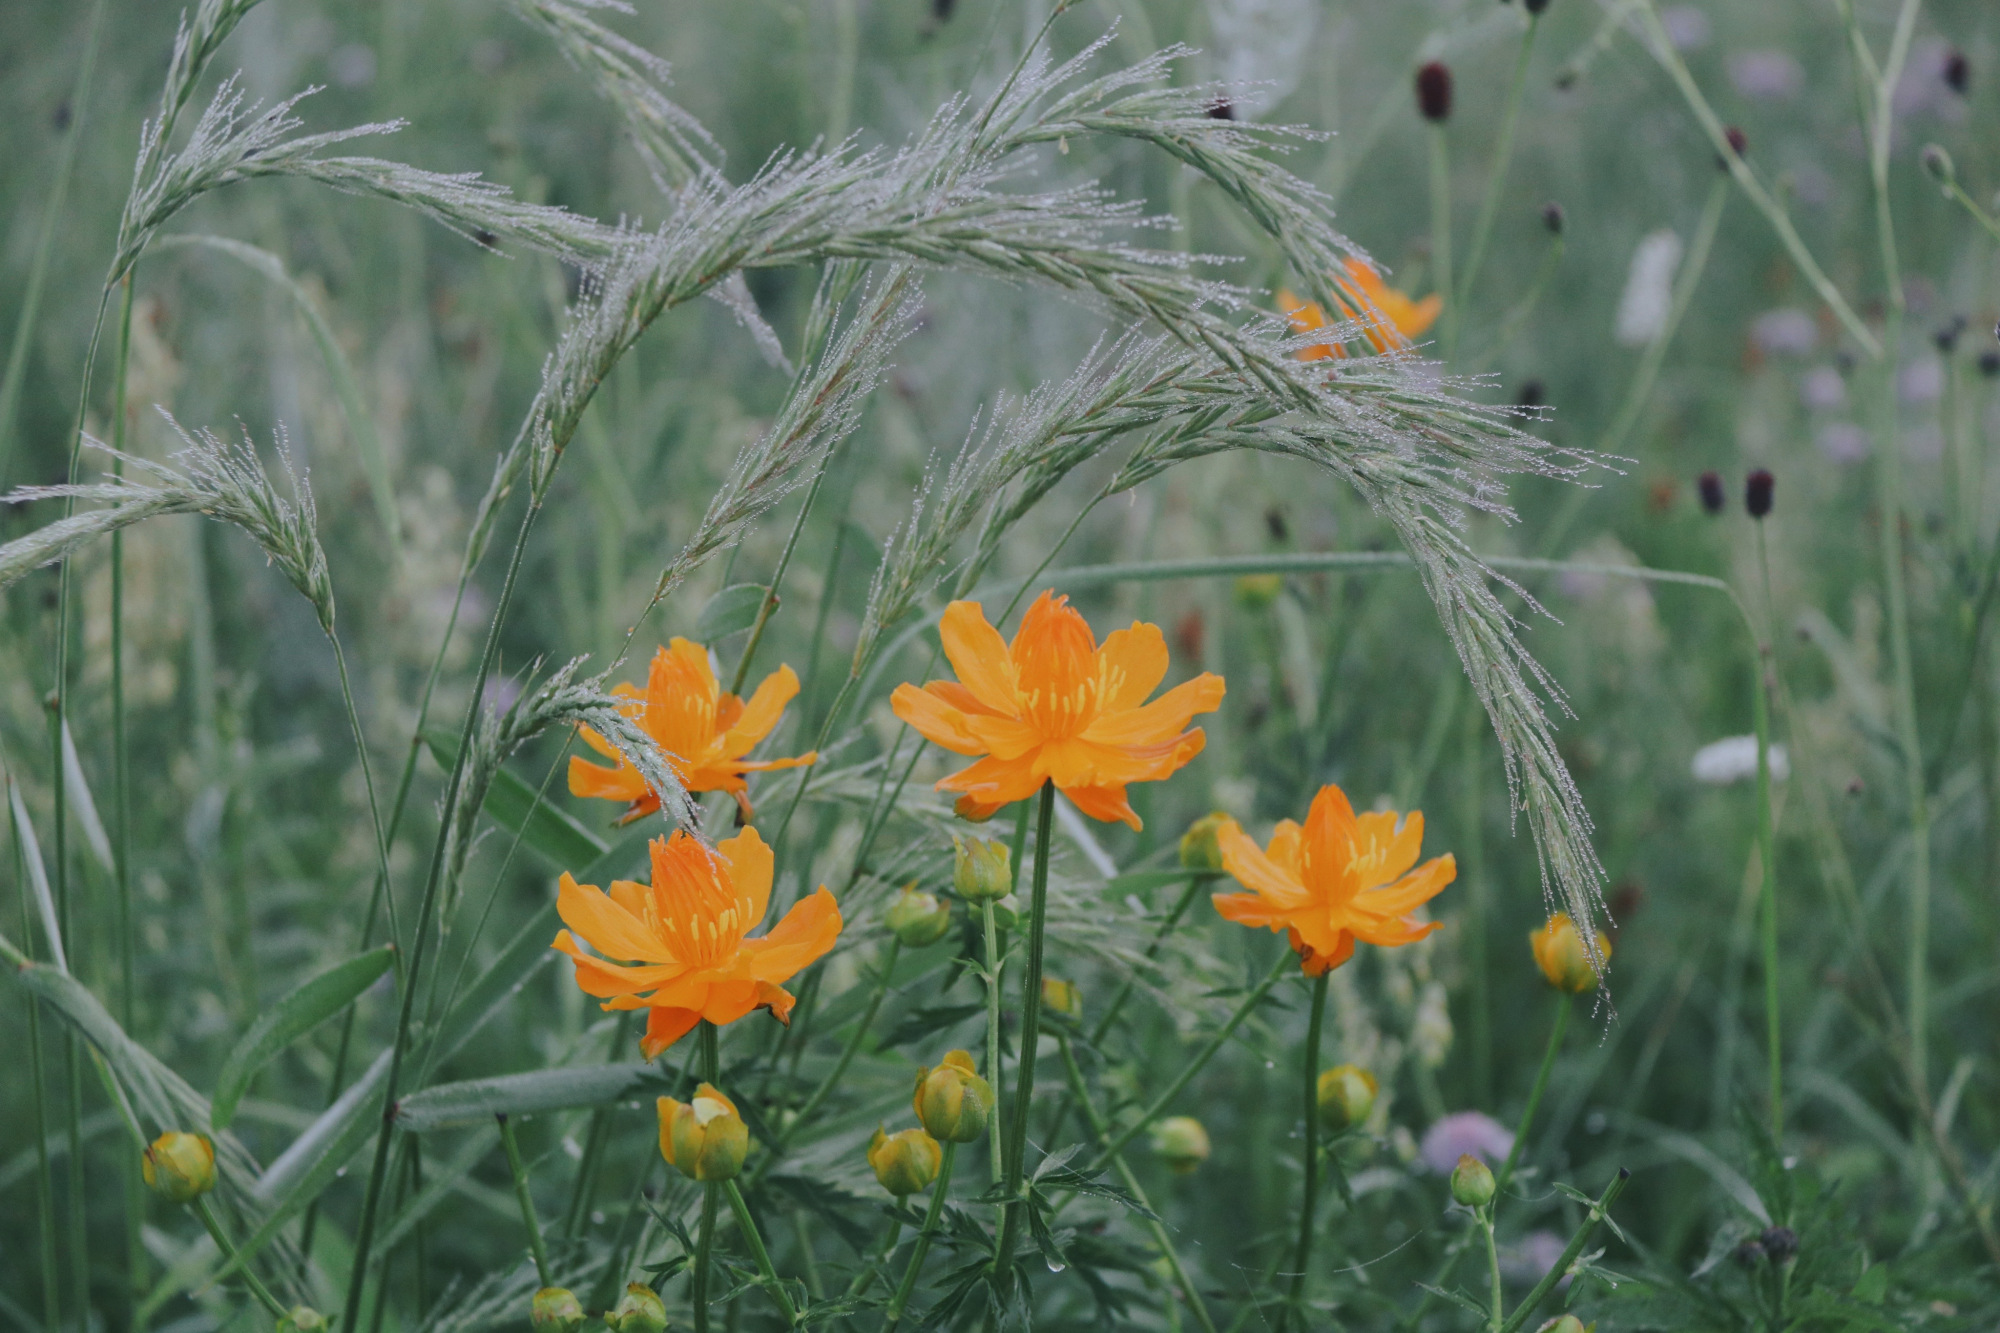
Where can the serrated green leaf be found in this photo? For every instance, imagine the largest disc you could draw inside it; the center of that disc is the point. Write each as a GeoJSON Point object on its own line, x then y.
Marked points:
{"type": "Point", "coordinates": [511, 803]}
{"type": "Point", "coordinates": [1457, 1298]}
{"type": "Point", "coordinates": [298, 1013]}
{"type": "Point", "coordinates": [480, 1099]}
{"type": "Point", "coordinates": [730, 611]}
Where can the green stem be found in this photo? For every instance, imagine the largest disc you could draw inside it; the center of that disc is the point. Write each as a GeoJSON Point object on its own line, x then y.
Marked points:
{"type": "Point", "coordinates": [1492, 1267]}
{"type": "Point", "coordinates": [1166, 928]}
{"type": "Point", "coordinates": [399, 1048]}
{"type": "Point", "coordinates": [769, 605]}
{"type": "Point", "coordinates": [1503, 154]}
{"type": "Point", "coordinates": [847, 1054]}
{"type": "Point", "coordinates": [772, 1283]}
{"type": "Point", "coordinates": [1441, 232]}
{"type": "Point", "coordinates": [1081, 1093]}
{"type": "Point", "coordinates": [1015, 1147]}
{"type": "Point", "coordinates": [1302, 1256]}
{"type": "Point", "coordinates": [45, 1180]}
{"type": "Point", "coordinates": [866, 1277]}
{"type": "Point", "coordinates": [250, 1279]}
{"type": "Point", "coordinates": [525, 1198]}
{"type": "Point", "coordinates": [1194, 1066]}
{"type": "Point", "coordinates": [1767, 853]}
{"type": "Point", "coordinates": [711, 1192]}
{"type": "Point", "coordinates": [993, 966]}
{"type": "Point", "coordinates": [939, 1193]}
{"type": "Point", "coordinates": [1556, 1031]}
{"type": "Point", "coordinates": [1598, 1210]}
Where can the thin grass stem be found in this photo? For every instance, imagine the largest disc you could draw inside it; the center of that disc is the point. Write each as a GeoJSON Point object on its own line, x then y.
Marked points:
{"type": "Point", "coordinates": [1767, 850]}
{"type": "Point", "coordinates": [222, 1243]}
{"type": "Point", "coordinates": [1556, 1030]}
{"type": "Point", "coordinates": [1014, 1147]}
{"type": "Point", "coordinates": [1309, 1192]}
{"type": "Point", "coordinates": [526, 1198]}
{"type": "Point", "coordinates": [1441, 232]}
{"type": "Point", "coordinates": [1503, 156]}
{"type": "Point", "coordinates": [994, 962]}
{"type": "Point", "coordinates": [755, 1239]}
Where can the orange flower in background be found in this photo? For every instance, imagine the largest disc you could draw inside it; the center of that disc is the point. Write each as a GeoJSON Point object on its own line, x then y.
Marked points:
{"type": "Point", "coordinates": [704, 732]}
{"type": "Point", "coordinates": [1341, 877]}
{"type": "Point", "coordinates": [1390, 320]}
{"type": "Point", "coordinates": [1055, 707]}
{"type": "Point", "coordinates": [686, 934]}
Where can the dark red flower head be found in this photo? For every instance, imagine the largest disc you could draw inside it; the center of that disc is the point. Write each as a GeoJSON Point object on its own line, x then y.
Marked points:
{"type": "Point", "coordinates": [1757, 492]}
{"type": "Point", "coordinates": [1710, 486]}
{"type": "Point", "coordinates": [1434, 91]}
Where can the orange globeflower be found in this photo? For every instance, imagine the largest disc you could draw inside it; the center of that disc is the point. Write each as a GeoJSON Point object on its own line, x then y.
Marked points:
{"type": "Point", "coordinates": [704, 732]}
{"type": "Point", "coordinates": [1390, 320]}
{"type": "Point", "coordinates": [686, 932]}
{"type": "Point", "coordinates": [1340, 878]}
{"type": "Point", "coordinates": [1056, 707]}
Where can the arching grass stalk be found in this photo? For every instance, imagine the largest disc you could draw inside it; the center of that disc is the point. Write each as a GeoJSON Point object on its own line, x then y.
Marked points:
{"type": "Point", "coordinates": [1081, 1092]}
{"type": "Point", "coordinates": [1503, 155]}
{"type": "Point", "coordinates": [525, 1198]}
{"type": "Point", "coordinates": [939, 1193]}
{"type": "Point", "coordinates": [1015, 1146]}
{"type": "Point", "coordinates": [1557, 1029]}
{"type": "Point", "coordinates": [1309, 1193]}
{"type": "Point", "coordinates": [399, 1048]}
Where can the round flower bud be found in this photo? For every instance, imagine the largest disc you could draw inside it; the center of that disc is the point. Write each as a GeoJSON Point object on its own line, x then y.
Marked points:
{"type": "Point", "coordinates": [1199, 848]}
{"type": "Point", "coordinates": [1568, 1323]}
{"type": "Point", "coordinates": [704, 1139]}
{"type": "Point", "coordinates": [1063, 997]}
{"type": "Point", "coordinates": [917, 919]}
{"type": "Point", "coordinates": [1559, 952]}
{"type": "Point", "coordinates": [1472, 1182]}
{"type": "Point", "coordinates": [305, 1319]}
{"type": "Point", "coordinates": [1713, 498]}
{"type": "Point", "coordinates": [906, 1162]}
{"type": "Point", "coordinates": [1346, 1096]}
{"type": "Point", "coordinates": [556, 1310]}
{"type": "Point", "coordinates": [1181, 1142]}
{"type": "Point", "coordinates": [981, 872]}
{"type": "Point", "coordinates": [1937, 164]}
{"type": "Point", "coordinates": [179, 1167]}
{"type": "Point", "coordinates": [1434, 91]}
{"type": "Point", "coordinates": [1757, 488]}
{"type": "Point", "coordinates": [1781, 1243]}
{"type": "Point", "coordinates": [639, 1310]}
{"type": "Point", "coordinates": [1535, 6]}
{"type": "Point", "coordinates": [1553, 217]}
{"type": "Point", "coordinates": [1256, 592]}
{"type": "Point", "coordinates": [951, 1101]}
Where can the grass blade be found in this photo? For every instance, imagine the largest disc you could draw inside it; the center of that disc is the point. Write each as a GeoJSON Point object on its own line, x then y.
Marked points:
{"type": "Point", "coordinates": [289, 1019]}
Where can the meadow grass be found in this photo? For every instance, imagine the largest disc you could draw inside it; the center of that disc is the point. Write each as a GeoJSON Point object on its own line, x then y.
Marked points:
{"type": "Point", "coordinates": [361, 444]}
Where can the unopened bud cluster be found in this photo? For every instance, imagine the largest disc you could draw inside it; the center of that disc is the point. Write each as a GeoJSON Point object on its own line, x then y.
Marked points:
{"type": "Point", "coordinates": [704, 1139]}
{"type": "Point", "coordinates": [905, 1162]}
{"type": "Point", "coordinates": [951, 1101]}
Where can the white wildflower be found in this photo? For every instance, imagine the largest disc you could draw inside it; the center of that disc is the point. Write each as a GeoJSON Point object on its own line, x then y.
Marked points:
{"type": "Point", "coordinates": [1734, 758]}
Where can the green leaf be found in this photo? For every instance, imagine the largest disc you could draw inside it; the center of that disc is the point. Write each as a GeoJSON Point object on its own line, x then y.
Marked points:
{"type": "Point", "coordinates": [519, 1094]}
{"type": "Point", "coordinates": [1873, 1285]}
{"type": "Point", "coordinates": [929, 1021]}
{"type": "Point", "coordinates": [730, 611]}
{"type": "Point", "coordinates": [515, 806]}
{"type": "Point", "coordinates": [1459, 1299]}
{"type": "Point", "coordinates": [288, 1020]}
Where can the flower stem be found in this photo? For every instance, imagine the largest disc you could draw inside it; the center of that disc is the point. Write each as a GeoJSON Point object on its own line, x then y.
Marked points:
{"type": "Point", "coordinates": [526, 1200]}
{"type": "Point", "coordinates": [1556, 1031]}
{"type": "Point", "coordinates": [993, 965]}
{"type": "Point", "coordinates": [1503, 154]}
{"type": "Point", "coordinates": [772, 1283]}
{"type": "Point", "coordinates": [866, 1277]}
{"type": "Point", "coordinates": [1194, 1065]}
{"type": "Point", "coordinates": [1441, 233]}
{"type": "Point", "coordinates": [1492, 1266]}
{"type": "Point", "coordinates": [1015, 1147]}
{"type": "Point", "coordinates": [939, 1193]}
{"type": "Point", "coordinates": [1310, 1198]}
{"type": "Point", "coordinates": [1767, 851]}
{"type": "Point", "coordinates": [710, 1192]}
{"type": "Point", "coordinates": [1598, 1211]}
{"type": "Point", "coordinates": [853, 1048]}
{"type": "Point", "coordinates": [250, 1279]}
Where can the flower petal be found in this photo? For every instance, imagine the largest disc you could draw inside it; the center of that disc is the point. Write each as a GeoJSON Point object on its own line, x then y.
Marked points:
{"type": "Point", "coordinates": [979, 655]}
{"type": "Point", "coordinates": [1106, 803]}
{"type": "Point", "coordinates": [802, 938]}
{"type": "Point", "coordinates": [934, 719]}
{"type": "Point", "coordinates": [1160, 719]}
{"type": "Point", "coordinates": [1002, 737]}
{"type": "Point", "coordinates": [1413, 890]}
{"type": "Point", "coordinates": [612, 784]}
{"type": "Point", "coordinates": [1257, 872]}
{"type": "Point", "coordinates": [607, 927]}
{"type": "Point", "coordinates": [1130, 666]}
{"type": "Point", "coordinates": [1248, 909]}
{"type": "Point", "coordinates": [997, 782]}
{"type": "Point", "coordinates": [664, 1027]}
{"type": "Point", "coordinates": [761, 713]}
{"type": "Point", "coordinates": [750, 866]}
{"type": "Point", "coordinates": [681, 700]}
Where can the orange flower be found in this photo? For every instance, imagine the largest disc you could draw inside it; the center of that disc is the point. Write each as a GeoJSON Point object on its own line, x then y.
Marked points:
{"type": "Point", "coordinates": [686, 934]}
{"type": "Point", "coordinates": [1390, 319]}
{"type": "Point", "coordinates": [704, 732]}
{"type": "Point", "coordinates": [1339, 879]}
{"type": "Point", "coordinates": [1056, 707]}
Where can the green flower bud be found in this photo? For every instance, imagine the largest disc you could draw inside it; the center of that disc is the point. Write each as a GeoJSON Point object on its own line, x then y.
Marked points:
{"type": "Point", "coordinates": [1938, 164]}
{"type": "Point", "coordinates": [906, 1162]}
{"type": "Point", "coordinates": [705, 1139]}
{"type": "Point", "coordinates": [1255, 592]}
{"type": "Point", "coordinates": [1181, 1142]}
{"type": "Point", "coordinates": [179, 1167]}
{"type": "Point", "coordinates": [1559, 952]}
{"type": "Point", "coordinates": [982, 872]}
{"type": "Point", "coordinates": [1199, 848]}
{"type": "Point", "coordinates": [952, 1101]}
{"type": "Point", "coordinates": [640, 1310]}
{"type": "Point", "coordinates": [1063, 997]}
{"type": "Point", "coordinates": [305, 1319]}
{"type": "Point", "coordinates": [1346, 1096]}
{"type": "Point", "coordinates": [1472, 1182]}
{"type": "Point", "coordinates": [917, 919]}
{"type": "Point", "coordinates": [1568, 1323]}
{"type": "Point", "coordinates": [556, 1310]}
